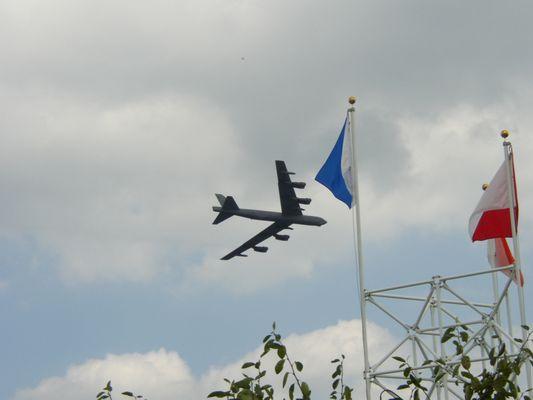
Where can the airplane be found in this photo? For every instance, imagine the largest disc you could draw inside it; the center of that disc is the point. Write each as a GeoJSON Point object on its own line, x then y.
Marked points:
{"type": "Point", "coordinates": [291, 213]}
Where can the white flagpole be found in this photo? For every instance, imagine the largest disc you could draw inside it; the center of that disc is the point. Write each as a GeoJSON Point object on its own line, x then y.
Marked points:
{"type": "Point", "coordinates": [359, 247]}
{"type": "Point", "coordinates": [508, 153]}
{"type": "Point", "coordinates": [495, 288]}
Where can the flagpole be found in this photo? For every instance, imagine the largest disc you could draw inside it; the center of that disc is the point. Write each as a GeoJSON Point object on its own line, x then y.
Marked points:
{"type": "Point", "coordinates": [359, 247]}
{"type": "Point", "coordinates": [511, 185]}
{"type": "Point", "coordinates": [495, 288]}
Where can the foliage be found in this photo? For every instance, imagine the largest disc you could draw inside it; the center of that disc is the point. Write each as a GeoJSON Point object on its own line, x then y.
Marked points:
{"type": "Point", "coordinates": [105, 393]}
{"type": "Point", "coordinates": [252, 387]}
{"type": "Point", "coordinates": [495, 383]}
{"type": "Point", "coordinates": [344, 392]}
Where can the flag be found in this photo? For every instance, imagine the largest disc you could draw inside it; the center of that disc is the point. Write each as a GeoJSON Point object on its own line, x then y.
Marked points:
{"type": "Point", "coordinates": [336, 173]}
{"type": "Point", "coordinates": [491, 218]}
{"type": "Point", "coordinates": [499, 255]}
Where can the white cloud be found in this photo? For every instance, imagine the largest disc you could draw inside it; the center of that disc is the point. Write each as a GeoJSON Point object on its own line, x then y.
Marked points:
{"type": "Point", "coordinates": [121, 121]}
{"type": "Point", "coordinates": [117, 193]}
{"type": "Point", "coordinates": [109, 189]}
{"type": "Point", "coordinates": [164, 374]}
{"type": "Point", "coordinates": [158, 374]}
{"type": "Point", "coordinates": [450, 156]}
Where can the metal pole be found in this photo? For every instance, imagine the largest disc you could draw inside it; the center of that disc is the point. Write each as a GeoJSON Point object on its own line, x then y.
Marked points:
{"type": "Point", "coordinates": [509, 320]}
{"type": "Point", "coordinates": [438, 283]}
{"type": "Point", "coordinates": [433, 324]}
{"type": "Point", "coordinates": [508, 154]}
{"type": "Point", "coordinates": [496, 291]}
{"type": "Point", "coordinates": [359, 246]}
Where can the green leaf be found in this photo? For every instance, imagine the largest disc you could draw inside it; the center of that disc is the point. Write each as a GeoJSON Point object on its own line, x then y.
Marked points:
{"type": "Point", "coordinates": [100, 394]}
{"type": "Point", "coordinates": [291, 392]}
{"type": "Point", "coordinates": [448, 334]}
{"type": "Point", "coordinates": [279, 366]}
{"type": "Point", "coordinates": [130, 394]}
{"type": "Point", "coordinates": [467, 374]}
{"type": "Point", "coordinates": [306, 392]}
{"type": "Point", "coordinates": [404, 386]}
{"type": "Point", "coordinates": [465, 362]}
{"type": "Point", "coordinates": [335, 361]}
{"type": "Point", "coordinates": [285, 377]}
{"type": "Point", "coordinates": [245, 394]}
{"type": "Point", "coordinates": [299, 366]}
{"type": "Point", "coordinates": [274, 325]}
{"type": "Point", "coordinates": [347, 395]}
{"type": "Point", "coordinates": [266, 338]}
{"type": "Point", "coordinates": [492, 357]}
{"type": "Point", "coordinates": [469, 392]}
{"type": "Point", "coordinates": [282, 351]}
{"type": "Point", "coordinates": [244, 383]}
{"type": "Point", "coordinates": [398, 358]}
{"type": "Point", "coordinates": [108, 386]}
{"type": "Point", "coordinates": [502, 350]}
{"type": "Point", "coordinates": [218, 394]}
{"type": "Point", "coordinates": [525, 327]}
{"type": "Point", "coordinates": [247, 365]}
{"type": "Point", "coordinates": [335, 383]}
{"type": "Point", "coordinates": [464, 336]}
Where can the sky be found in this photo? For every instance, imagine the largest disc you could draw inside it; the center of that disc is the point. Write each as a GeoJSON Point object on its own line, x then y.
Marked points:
{"type": "Point", "coordinates": [121, 119]}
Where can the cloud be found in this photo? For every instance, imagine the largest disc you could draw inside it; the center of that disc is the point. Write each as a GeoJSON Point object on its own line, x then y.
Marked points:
{"type": "Point", "coordinates": [121, 121]}
{"type": "Point", "coordinates": [107, 189]}
{"type": "Point", "coordinates": [163, 374]}
{"type": "Point", "coordinates": [158, 374]}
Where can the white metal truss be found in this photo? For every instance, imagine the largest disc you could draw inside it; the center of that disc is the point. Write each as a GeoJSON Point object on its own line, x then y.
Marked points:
{"type": "Point", "coordinates": [424, 310]}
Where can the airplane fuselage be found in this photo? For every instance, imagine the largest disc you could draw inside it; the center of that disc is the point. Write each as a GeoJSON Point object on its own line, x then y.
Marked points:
{"type": "Point", "coordinates": [273, 216]}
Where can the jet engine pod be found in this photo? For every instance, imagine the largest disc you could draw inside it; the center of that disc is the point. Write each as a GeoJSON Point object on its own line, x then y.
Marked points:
{"type": "Point", "coordinates": [281, 237]}
{"type": "Point", "coordinates": [261, 249]}
{"type": "Point", "coordinates": [298, 185]}
{"type": "Point", "coordinates": [305, 201]}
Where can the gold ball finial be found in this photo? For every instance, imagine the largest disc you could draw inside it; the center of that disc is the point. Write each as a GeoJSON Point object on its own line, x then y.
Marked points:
{"type": "Point", "coordinates": [485, 186]}
{"type": "Point", "coordinates": [504, 134]}
{"type": "Point", "coordinates": [351, 99]}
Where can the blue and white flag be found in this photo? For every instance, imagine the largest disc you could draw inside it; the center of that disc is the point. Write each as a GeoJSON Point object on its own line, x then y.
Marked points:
{"type": "Point", "coordinates": [336, 173]}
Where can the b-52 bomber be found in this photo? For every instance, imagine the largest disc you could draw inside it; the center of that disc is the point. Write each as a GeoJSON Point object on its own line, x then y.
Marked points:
{"type": "Point", "coordinates": [291, 213]}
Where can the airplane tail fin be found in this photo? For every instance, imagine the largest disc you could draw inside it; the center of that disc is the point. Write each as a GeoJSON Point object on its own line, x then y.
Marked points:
{"type": "Point", "coordinates": [227, 204]}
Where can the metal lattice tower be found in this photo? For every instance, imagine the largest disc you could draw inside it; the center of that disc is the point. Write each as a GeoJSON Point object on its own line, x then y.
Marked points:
{"type": "Point", "coordinates": [424, 310]}
{"type": "Point", "coordinates": [436, 305]}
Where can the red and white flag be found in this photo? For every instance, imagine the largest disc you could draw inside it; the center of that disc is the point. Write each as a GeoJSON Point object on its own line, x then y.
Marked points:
{"type": "Point", "coordinates": [499, 255]}
{"type": "Point", "coordinates": [491, 218]}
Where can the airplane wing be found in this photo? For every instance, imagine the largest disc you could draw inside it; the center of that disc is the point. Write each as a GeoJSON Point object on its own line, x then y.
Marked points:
{"type": "Point", "coordinates": [271, 230]}
{"type": "Point", "coordinates": [287, 196]}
